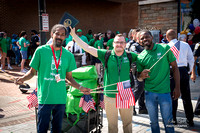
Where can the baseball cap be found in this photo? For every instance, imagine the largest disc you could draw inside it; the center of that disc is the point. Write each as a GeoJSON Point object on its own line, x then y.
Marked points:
{"type": "Point", "coordinates": [79, 30]}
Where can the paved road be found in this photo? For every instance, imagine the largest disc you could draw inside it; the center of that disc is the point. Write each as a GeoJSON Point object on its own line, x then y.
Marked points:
{"type": "Point", "coordinates": [15, 117]}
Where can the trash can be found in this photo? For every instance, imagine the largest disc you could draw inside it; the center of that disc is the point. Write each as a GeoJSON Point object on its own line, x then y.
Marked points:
{"type": "Point", "coordinates": [78, 58]}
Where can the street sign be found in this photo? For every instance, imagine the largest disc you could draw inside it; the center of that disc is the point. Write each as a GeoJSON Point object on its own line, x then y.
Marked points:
{"type": "Point", "coordinates": [45, 22]}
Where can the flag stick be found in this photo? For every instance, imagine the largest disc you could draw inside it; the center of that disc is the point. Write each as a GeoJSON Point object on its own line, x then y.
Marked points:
{"type": "Point", "coordinates": [159, 59]}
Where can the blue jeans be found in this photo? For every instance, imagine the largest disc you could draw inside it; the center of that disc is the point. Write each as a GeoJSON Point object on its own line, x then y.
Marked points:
{"type": "Point", "coordinates": [165, 102]}
{"type": "Point", "coordinates": [17, 55]}
{"type": "Point", "coordinates": [44, 113]}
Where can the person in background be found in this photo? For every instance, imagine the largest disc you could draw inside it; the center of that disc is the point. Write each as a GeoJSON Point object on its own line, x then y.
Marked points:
{"type": "Point", "coordinates": [9, 50]}
{"type": "Point", "coordinates": [15, 49]}
{"type": "Point", "coordinates": [110, 42]}
{"type": "Point", "coordinates": [24, 48]}
{"type": "Point", "coordinates": [89, 35]}
{"type": "Point", "coordinates": [185, 57]}
{"type": "Point", "coordinates": [3, 51]}
{"type": "Point", "coordinates": [35, 41]}
{"type": "Point", "coordinates": [106, 38]}
{"type": "Point", "coordinates": [164, 40]}
{"type": "Point", "coordinates": [125, 36]}
{"type": "Point", "coordinates": [80, 34]}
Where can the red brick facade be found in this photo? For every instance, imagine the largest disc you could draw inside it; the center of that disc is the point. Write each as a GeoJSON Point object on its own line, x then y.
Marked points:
{"type": "Point", "coordinates": [158, 16]}
{"type": "Point", "coordinates": [17, 15]}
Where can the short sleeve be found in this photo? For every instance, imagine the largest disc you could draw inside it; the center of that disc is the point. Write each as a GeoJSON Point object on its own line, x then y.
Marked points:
{"type": "Point", "coordinates": [101, 55]}
{"type": "Point", "coordinates": [35, 61]}
{"type": "Point", "coordinates": [134, 56]}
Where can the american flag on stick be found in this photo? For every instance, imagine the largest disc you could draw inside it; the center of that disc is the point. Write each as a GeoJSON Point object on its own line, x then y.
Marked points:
{"type": "Point", "coordinates": [122, 104]}
{"type": "Point", "coordinates": [32, 99]}
{"type": "Point", "coordinates": [176, 50]}
{"type": "Point", "coordinates": [87, 103]}
{"type": "Point", "coordinates": [125, 95]}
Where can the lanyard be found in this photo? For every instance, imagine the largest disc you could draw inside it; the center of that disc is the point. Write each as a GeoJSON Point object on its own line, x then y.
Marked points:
{"type": "Point", "coordinates": [119, 67]}
{"type": "Point", "coordinates": [57, 64]}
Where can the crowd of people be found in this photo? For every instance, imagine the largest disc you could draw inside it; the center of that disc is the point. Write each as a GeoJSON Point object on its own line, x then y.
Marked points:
{"type": "Point", "coordinates": [17, 50]}
{"type": "Point", "coordinates": [156, 83]}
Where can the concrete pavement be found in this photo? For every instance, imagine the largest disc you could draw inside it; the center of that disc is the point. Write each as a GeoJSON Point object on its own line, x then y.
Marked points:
{"type": "Point", "coordinates": [15, 117]}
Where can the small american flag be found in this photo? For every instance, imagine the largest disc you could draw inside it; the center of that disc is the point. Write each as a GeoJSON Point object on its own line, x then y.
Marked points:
{"type": "Point", "coordinates": [125, 93]}
{"type": "Point", "coordinates": [32, 99]}
{"type": "Point", "coordinates": [123, 104]}
{"type": "Point", "coordinates": [87, 103]}
{"type": "Point", "coordinates": [176, 50]}
{"type": "Point", "coordinates": [102, 104]}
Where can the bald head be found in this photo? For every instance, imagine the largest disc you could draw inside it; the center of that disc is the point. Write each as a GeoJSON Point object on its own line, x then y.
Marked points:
{"type": "Point", "coordinates": [170, 34]}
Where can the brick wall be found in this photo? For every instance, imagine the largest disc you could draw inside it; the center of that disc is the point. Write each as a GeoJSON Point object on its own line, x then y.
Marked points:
{"type": "Point", "coordinates": [17, 15]}
{"type": "Point", "coordinates": [158, 16]}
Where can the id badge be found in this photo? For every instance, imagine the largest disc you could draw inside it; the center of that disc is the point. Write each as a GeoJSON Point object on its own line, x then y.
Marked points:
{"type": "Point", "coordinates": [57, 77]}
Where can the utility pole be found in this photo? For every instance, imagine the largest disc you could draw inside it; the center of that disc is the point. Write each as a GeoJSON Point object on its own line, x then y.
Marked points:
{"type": "Point", "coordinates": [41, 10]}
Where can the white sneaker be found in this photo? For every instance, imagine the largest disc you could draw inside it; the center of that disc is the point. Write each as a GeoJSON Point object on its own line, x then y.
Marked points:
{"type": "Point", "coordinates": [3, 70]}
{"type": "Point", "coordinates": [23, 71]}
{"type": "Point", "coordinates": [9, 67]}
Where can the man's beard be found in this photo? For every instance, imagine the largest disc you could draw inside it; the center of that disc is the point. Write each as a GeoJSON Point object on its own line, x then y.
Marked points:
{"type": "Point", "coordinates": [58, 43]}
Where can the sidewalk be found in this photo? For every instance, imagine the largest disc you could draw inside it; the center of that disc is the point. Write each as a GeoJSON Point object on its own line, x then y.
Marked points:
{"type": "Point", "coordinates": [15, 116]}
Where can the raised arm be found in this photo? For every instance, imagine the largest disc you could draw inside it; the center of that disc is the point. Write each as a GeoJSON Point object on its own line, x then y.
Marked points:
{"type": "Point", "coordinates": [82, 44]}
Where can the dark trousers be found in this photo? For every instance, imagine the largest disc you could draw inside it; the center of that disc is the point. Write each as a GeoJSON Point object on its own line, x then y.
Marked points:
{"type": "Point", "coordinates": [139, 93]}
{"type": "Point", "coordinates": [197, 108]}
{"type": "Point", "coordinates": [185, 94]}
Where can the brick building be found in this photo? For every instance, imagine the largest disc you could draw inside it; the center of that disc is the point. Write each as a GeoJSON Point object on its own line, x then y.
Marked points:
{"type": "Point", "coordinates": [98, 15]}
{"type": "Point", "coordinates": [155, 15]}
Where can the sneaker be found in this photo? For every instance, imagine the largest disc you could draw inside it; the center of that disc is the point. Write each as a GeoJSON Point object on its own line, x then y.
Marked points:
{"type": "Point", "coordinates": [23, 71]}
{"type": "Point", "coordinates": [3, 70]}
{"type": "Point", "coordinates": [9, 67]}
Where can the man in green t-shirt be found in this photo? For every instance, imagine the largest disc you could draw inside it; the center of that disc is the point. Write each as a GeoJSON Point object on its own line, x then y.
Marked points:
{"type": "Point", "coordinates": [54, 65]}
{"type": "Point", "coordinates": [9, 51]}
{"type": "Point", "coordinates": [3, 51]}
{"type": "Point", "coordinates": [118, 69]}
{"type": "Point", "coordinates": [157, 81]}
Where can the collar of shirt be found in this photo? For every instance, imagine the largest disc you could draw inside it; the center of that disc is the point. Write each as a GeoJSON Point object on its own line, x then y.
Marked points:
{"type": "Point", "coordinates": [172, 42]}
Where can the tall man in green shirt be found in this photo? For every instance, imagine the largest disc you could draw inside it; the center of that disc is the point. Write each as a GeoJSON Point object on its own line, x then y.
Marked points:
{"type": "Point", "coordinates": [54, 65]}
{"type": "Point", "coordinates": [118, 68]}
{"type": "Point", "coordinates": [157, 81]}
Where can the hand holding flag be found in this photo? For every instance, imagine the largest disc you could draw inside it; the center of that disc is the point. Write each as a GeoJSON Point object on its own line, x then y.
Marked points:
{"type": "Point", "coordinates": [87, 103]}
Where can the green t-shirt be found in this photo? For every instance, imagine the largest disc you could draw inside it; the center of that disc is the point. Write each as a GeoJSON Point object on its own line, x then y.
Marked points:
{"type": "Point", "coordinates": [22, 40]}
{"type": "Point", "coordinates": [3, 45]}
{"type": "Point", "coordinates": [91, 42]}
{"type": "Point", "coordinates": [8, 42]}
{"type": "Point", "coordinates": [68, 39]}
{"type": "Point", "coordinates": [159, 81]}
{"type": "Point", "coordinates": [49, 91]}
{"type": "Point", "coordinates": [98, 43]}
{"type": "Point", "coordinates": [89, 37]}
{"type": "Point", "coordinates": [112, 77]}
{"type": "Point", "coordinates": [110, 44]}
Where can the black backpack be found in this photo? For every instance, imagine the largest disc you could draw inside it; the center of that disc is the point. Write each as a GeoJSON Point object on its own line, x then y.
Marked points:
{"type": "Point", "coordinates": [107, 55]}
